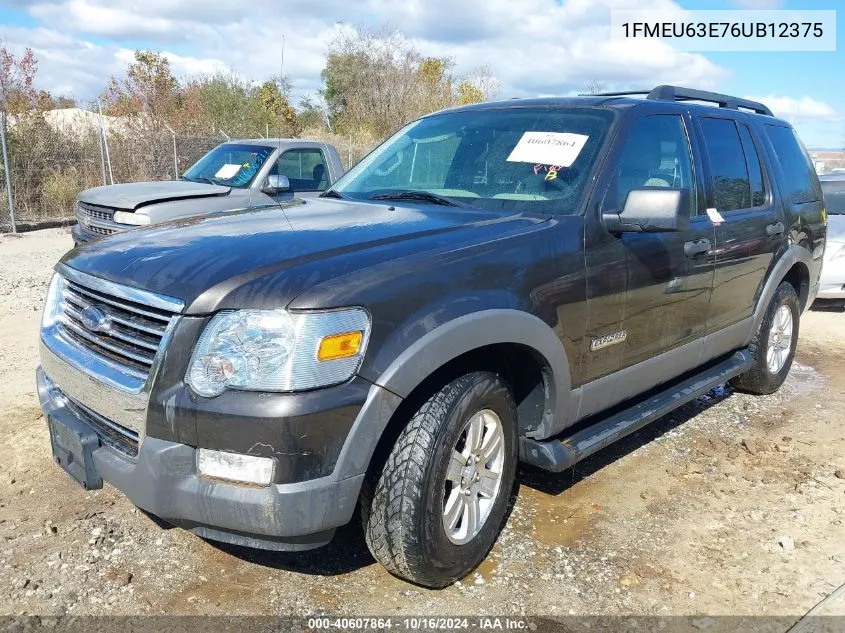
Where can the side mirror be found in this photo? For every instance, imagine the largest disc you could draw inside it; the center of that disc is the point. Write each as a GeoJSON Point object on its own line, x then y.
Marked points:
{"type": "Point", "coordinates": [651, 210]}
{"type": "Point", "coordinates": [275, 184]}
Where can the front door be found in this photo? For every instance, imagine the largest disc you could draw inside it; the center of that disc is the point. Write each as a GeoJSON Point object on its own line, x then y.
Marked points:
{"type": "Point", "coordinates": [668, 276]}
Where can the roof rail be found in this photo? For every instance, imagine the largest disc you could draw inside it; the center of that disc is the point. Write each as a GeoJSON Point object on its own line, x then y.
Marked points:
{"type": "Point", "coordinates": [676, 93]}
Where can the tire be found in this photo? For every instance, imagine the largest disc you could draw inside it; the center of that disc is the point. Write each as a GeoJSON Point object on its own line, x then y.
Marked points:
{"type": "Point", "coordinates": [402, 506]}
{"type": "Point", "coordinates": [762, 378]}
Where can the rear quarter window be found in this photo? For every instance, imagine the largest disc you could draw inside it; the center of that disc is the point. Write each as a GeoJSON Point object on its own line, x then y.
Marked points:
{"type": "Point", "coordinates": [797, 175]}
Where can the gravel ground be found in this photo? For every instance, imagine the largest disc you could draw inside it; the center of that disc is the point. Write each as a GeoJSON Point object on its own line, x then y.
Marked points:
{"type": "Point", "coordinates": [732, 505]}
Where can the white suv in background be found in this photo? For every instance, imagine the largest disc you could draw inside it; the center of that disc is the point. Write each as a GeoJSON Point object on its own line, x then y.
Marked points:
{"type": "Point", "coordinates": [832, 282]}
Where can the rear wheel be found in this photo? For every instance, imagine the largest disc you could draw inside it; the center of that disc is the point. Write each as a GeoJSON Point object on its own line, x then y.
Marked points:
{"type": "Point", "coordinates": [434, 511]}
{"type": "Point", "coordinates": [773, 346]}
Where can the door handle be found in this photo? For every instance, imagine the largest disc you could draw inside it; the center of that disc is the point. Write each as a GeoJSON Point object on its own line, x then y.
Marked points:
{"type": "Point", "coordinates": [696, 247]}
{"type": "Point", "coordinates": [775, 229]}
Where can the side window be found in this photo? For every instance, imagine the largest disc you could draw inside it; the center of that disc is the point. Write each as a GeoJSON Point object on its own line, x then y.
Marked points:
{"type": "Point", "coordinates": [731, 186]}
{"type": "Point", "coordinates": [656, 153]}
{"type": "Point", "coordinates": [755, 171]}
{"type": "Point", "coordinates": [305, 168]}
{"type": "Point", "coordinates": [798, 175]}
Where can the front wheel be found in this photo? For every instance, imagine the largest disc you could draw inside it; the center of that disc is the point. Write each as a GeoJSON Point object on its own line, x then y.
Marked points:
{"type": "Point", "coordinates": [434, 511]}
{"type": "Point", "coordinates": [773, 346]}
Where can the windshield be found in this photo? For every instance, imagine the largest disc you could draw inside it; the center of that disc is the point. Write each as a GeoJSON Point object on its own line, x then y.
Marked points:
{"type": "Point", "coordinates": [515, 159]}
{"type": "Point", "coordinates": [230, 164]}
{"type": "Point", "coordinates": [834, 196]}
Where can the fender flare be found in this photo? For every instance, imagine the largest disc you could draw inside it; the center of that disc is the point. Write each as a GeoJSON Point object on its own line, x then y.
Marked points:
{"type": "Point", "coordinates": [437, 348]}
{"type": "Point", "coordinates": [795, 254]}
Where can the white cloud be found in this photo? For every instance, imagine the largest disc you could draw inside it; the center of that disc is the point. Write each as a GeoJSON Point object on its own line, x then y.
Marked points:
{"type": "Point", "coordinates": [533, 47]}
{"type": "Point", "coordinates": [799, 109]}
{"type": "Point", "coordinates": [757, 4]}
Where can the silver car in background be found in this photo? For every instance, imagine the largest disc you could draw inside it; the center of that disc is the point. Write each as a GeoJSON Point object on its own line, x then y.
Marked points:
{"type": "Point", "coordinates": [832, 282]}
{"type": "Point", "coordinates": [237, 175]}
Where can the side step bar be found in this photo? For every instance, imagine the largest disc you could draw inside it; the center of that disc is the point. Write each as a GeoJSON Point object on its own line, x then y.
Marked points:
{"type": "Point", "coordinates": [557, 455]}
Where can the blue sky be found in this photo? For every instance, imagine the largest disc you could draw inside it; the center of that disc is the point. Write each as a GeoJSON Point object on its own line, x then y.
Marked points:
{"type": "Point", "coordinates": [534, 47]}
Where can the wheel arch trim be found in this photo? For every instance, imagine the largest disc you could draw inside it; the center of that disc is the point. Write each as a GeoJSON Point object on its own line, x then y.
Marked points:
{"type": "Point", "coordinates": [437, 348]}
{"type": "Point", "coordinates": [795, 254]}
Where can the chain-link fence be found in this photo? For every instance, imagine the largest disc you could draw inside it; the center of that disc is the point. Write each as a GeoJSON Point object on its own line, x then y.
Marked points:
{"type": "Point", "coordinates": [50, 164]}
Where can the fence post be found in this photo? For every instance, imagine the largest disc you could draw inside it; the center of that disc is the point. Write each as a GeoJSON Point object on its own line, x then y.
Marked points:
{"type": "Point", "coordinates": [105, 143]}
{"type": "Point", "coordinates": [9, 196]}
{"type": "Point", "coordinates": [175, 159]}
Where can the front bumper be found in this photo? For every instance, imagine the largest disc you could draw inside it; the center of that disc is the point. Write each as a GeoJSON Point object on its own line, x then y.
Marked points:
{"type": "Point", "coordinates": [162, 479]}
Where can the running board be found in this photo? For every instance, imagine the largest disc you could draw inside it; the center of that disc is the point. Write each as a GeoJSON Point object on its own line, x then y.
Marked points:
{"type": "Point", "coordinates": [557, 455]}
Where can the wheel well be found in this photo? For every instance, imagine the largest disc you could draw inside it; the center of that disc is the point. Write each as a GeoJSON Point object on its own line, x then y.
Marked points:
{"type": "Point", "coordinates": [799, 277]}
{"type": "Point", "coordinates": [528, 375]}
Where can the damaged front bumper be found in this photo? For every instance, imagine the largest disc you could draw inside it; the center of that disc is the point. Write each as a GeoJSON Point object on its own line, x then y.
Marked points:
{"type": "Point", "coordinates": [162, 479]}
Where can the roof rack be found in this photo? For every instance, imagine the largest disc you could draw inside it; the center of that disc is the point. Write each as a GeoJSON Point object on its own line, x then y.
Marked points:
{"type": "Point", "coordinates": [676, 93]}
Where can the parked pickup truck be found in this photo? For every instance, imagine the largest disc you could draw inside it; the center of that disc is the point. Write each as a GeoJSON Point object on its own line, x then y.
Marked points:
{"type": "Point", "coordinates": [528, 280]}
{"type": "Point", "coordinates": [247, 174]}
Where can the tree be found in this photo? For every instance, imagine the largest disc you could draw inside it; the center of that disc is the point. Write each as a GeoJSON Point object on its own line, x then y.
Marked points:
{"type": "Point", "coordinates": [274, 110]}
{"type": "Point", "coordinates": [17, 75]}
{"type": "Point", "coordinates": [149, 87]}
{"type": "Point", "coordinates": [376, 81]}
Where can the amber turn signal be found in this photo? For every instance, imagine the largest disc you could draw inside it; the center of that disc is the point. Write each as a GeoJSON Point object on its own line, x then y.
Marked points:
{"type": "Point", "coordinates": [340, 346]}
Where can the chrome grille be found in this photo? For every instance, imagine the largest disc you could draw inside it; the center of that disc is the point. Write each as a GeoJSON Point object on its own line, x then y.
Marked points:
{"type": "Point", "coordinates": [111, 433]}
{"type": "Point", "coordinates": [125, 332]}
{"type": "Point", "coordinates": [97, 219]}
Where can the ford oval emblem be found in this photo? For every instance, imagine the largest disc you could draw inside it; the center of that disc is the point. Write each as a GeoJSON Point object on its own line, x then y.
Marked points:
{"type": "Point", "coordinates": [94, 319]}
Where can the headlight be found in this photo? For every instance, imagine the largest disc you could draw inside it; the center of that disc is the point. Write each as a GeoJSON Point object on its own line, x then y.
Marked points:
{"type": "Point", "coordinates": [129, 217]}
{"type": "Point", "coordinates": [274, 350]}
{"type": "Point", "coordinates": [51, 302]}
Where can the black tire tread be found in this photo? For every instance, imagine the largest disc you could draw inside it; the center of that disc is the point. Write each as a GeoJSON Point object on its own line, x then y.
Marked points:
{"type": "Point", "coordinates": [391, 499]}
{"type": "Point", "coordinates": [389, 524]}
{"type": "Point", "coordinates": [758, 380]}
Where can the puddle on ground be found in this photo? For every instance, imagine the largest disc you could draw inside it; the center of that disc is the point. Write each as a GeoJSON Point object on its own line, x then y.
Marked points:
{"type": "Point", "coordinates": [558, 520]}
{"type": "Point", "coordinates": [802, 380]}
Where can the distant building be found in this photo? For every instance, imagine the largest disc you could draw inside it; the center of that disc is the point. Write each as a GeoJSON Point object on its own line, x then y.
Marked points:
{"type": "Point", "coordinates": [828, 160]}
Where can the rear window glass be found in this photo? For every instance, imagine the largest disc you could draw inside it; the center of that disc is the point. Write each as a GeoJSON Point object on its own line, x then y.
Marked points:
{"type": "Point", "coordinates": [731, 186]}
{"type": "Point", "coordinates": [799, 180]}
{"type": "Point", "coordinates": [834, 196]}
{"type": "Point", "coordinates": [755, 173]}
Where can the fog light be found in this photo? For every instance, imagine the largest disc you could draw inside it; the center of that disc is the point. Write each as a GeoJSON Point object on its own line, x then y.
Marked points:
{"type": "Point", "coordinates": [235, 467]}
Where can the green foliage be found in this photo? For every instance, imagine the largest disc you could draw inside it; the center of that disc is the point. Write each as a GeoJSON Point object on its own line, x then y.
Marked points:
{"type": "Point", "coordinates": [375, 82]}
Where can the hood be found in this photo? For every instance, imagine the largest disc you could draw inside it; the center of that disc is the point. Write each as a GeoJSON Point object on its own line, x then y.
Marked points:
{"type": "Point", "coordinates": [205, 259]}
{"type": "Point", "coordinates": [134, 195]}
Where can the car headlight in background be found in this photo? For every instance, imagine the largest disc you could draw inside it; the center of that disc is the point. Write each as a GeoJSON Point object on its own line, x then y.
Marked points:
{"type": "Point", "coordinates": [129, 217]}
{"type": "Point", "coordinates": [275, 350]}
{"type": "Point", "coordinates": [51, 302]}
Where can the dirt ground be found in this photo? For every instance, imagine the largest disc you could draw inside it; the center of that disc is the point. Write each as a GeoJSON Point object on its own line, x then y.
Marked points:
{"type": "Point", "coordinates": [732, 505]}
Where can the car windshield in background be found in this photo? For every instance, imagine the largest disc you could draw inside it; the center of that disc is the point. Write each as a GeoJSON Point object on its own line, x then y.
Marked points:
{"type": "Point", "coordinates": [834, 196]}
{"type": "Point", "coordinates": [521, 159]}
{"type": "Point", "coordinates": [231, 164]}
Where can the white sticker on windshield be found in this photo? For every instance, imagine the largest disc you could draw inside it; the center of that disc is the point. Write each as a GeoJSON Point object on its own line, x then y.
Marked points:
{"type": "Point", "coordinates": [548, 148]}
{"type": "Point", "coordinates": [227, 171]}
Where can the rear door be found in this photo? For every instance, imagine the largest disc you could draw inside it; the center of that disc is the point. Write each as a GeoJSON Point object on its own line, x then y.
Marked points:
{"type": "Point", "coordinates": [749, 227]}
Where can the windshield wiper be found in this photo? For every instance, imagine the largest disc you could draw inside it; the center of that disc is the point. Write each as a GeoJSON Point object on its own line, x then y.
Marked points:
{"type": "Point", "coordinates": [422, 196]}
{"type": "Point", "coordinates": [331, 193]}
{"type": "Point", "coordinates": [210, 181]}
